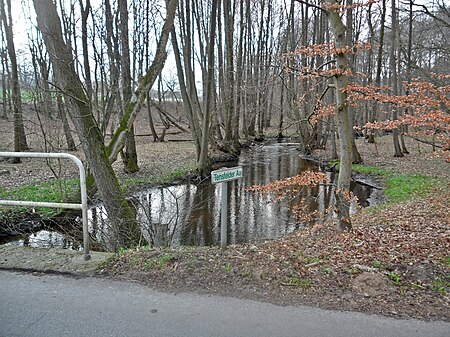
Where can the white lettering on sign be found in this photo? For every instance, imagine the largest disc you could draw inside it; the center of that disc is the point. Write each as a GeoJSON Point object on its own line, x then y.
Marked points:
{"type": "Point", "coordinates": [226, 174]}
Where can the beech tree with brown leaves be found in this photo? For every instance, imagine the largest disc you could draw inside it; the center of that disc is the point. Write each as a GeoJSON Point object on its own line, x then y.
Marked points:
{"type": "Point", "coordinates": [427, 103]}
{"type": "Point", "coordinates": [338, 51]}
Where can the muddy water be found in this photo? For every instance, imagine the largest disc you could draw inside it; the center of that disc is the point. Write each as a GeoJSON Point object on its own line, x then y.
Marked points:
{"type": "Point", "coordinates": [189, 214]}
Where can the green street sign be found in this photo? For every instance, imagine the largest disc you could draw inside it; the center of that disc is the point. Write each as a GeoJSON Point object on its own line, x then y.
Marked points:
{"type": "Point", "coordinates": [226, 174]}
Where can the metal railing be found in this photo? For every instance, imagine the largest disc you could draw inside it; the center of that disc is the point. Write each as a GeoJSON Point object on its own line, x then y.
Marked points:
{"type": "Point", "coordinates": [82, 206]}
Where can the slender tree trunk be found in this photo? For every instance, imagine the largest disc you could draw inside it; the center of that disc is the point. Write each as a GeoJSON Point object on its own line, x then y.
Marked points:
{"type": "Point", "coordinates": [146, 82]}
{"type": "Point", "coordinates": [379, 63]}
{"type": "Point", "coordinates": [20, 140]}
{"type": "Point", "coordinates": [394, 77]}
{"type": "Point", "coordinates": [187, 101]}
{"type": "Point", "coordinates": [113, 73]}
{"type": "Point", "coordinates": [62, 114]}
{"type": "Point", "coordinates": [85, 10]}
{"type": "Point", "coordinates": [203, 161]}
{"type": "Point", "coordinates": [130, 154]}
{"type": "Point", "coordinates": [231, 141]}
{"type": "Point", "coordinates": [4, 84]}
{"type": "Point", "coordinates": [356, 156]}
{"type": "Point", "coordinates": [342, 117]}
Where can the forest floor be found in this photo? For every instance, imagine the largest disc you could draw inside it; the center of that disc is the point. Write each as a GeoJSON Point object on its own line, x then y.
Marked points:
{"type": "Point", "coordinates": [395, 261]}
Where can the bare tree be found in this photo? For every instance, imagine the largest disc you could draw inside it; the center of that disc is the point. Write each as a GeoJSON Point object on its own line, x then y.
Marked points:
{"type": "Point", "coordinates": [60, 53]}
{"type": "Point", "coordinates": [20, 140]}
{"type": "Point", "coordinates": [146, 82]}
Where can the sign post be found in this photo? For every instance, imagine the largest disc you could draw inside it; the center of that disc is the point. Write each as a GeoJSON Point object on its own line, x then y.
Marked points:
{"type": "Point", "coordinates": [223, 176]}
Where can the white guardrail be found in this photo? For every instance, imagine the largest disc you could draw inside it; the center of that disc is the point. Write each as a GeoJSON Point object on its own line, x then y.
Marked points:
{"type": "Point", "coordinates": [82, 206]}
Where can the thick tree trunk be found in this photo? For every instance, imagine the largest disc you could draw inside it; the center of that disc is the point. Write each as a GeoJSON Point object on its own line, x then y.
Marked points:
{"type": "Point", "coordinates": [119, 212]}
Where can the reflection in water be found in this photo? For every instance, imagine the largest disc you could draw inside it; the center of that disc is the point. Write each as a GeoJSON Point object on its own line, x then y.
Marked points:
{"type": "Point", "coordinates": [190, 214]}
{"type": "Point", "coordinates": [43, 239]}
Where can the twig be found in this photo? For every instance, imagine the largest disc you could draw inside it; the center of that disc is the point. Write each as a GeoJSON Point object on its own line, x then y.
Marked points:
{"type": "Point", "coordinates": [313, 264]}
{"type": "Point", "coordinates": [365, 268]}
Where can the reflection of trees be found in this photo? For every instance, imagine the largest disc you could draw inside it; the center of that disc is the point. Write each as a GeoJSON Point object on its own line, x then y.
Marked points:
{"type": "Point", "coordinates": [199, 229]}
{"type": "Point", "coordinates": [162, 211]}
{"type": "Point", "coordinates": [109, 237]}
{"type": "Point", "coordinates": [190, 215]}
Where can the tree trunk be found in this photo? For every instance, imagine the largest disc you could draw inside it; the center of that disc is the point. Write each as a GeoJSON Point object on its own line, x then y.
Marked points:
{"type": "Point", "coordinates": [85, 10]}
{"type": "Point", "coordinates": [379, 63]}
{"type": "Point", "coordinates": [394, 78]}
{"type": "Point", "coordinates": [342, 117]}
{"type": "Point", "coordinates": [113, 73]}
{"type": "Point", "coordinates": [119, 212]}
{"type": "Point", "coordinates": [189, 106]}
{"type": "Point", "coordinates": [62, 114]}
{"type": "Point", "coordinates": [20, 140]}
{"type": "Point", "coordinates": [130, 154]}
{"type": "Point", "coordinates": [231, 141]}
{"type": "Point", "coordinates": [5, 98]}
{"type": "Point", "coordinates": [203, 161]}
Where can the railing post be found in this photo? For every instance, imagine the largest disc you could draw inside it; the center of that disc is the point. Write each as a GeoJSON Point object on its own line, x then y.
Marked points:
{"type": "Point", "coordinates": [82, 206]}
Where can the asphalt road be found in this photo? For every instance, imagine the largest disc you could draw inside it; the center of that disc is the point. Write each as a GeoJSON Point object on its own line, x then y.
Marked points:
{"type": "Point", "coordinates": [54, 305]}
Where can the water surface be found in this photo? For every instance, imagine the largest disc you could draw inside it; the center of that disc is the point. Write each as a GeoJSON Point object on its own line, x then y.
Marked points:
{"type": "Point", "coordinates": [189, 214]}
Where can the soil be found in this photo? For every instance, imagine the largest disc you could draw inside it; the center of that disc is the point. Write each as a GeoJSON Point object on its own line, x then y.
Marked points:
{"type": "Point", "coordinates": [394, 262]}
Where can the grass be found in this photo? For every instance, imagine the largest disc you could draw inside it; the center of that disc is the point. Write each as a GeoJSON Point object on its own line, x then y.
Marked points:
{"type": "Point", "coordinates": [401, 187]}
{"type": "Point", "coordinates": [394, 277]}
{"type": "Point", "coordinates": [160, 262]}
{"type": "Point", "coordinates": [298, 282]}
{"type": "Point", "coordinates": [49, 191]}
{"type": "Point", "coordinates": [376, 264]}
{"type": "Point", "coordinates": [169, 177]}
{"type": "Point", "coordinates": [440, 286]}
{"type": "Point", "coordinates": [57, 190]}
{"type": "Point", "coordinates": [26, 95]}
{"type": "Point", "coordinates": [228, 267]}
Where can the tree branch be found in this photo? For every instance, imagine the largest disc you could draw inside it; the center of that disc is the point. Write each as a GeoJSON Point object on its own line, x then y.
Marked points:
{"type": "Point", "coordinates": [310, 5]}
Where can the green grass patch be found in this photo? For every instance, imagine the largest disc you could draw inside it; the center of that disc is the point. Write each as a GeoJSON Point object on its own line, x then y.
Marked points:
{"type": "Point", "coordinates": [298, 282]}
{"type": "Point", "coordinates": [159, 262]}
{"type": "Point", "coordinates": [400, 187]}
{"type": "Point", "coordinates": [26, 95]}
{"type": "Point", "coordinates": [369, 170]}
{"type": "Point", "coordinates": [440, 286]}
{"type": "Point", "coordinates": [49, 191]}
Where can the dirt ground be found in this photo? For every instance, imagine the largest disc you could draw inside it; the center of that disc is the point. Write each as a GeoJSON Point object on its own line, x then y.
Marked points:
{"type": "Point", "coordinates": [395, 262]}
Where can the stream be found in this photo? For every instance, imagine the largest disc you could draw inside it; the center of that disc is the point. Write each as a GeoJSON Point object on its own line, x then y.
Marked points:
{"type": "Point", "coordinates": [188, 214]}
